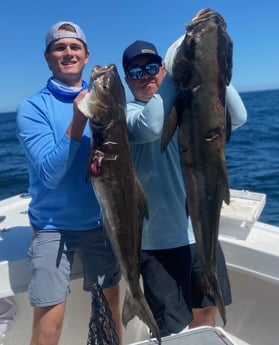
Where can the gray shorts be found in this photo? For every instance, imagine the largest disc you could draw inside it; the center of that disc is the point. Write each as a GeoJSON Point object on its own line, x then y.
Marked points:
{"type": "Point", "coordinates": [51, 255]}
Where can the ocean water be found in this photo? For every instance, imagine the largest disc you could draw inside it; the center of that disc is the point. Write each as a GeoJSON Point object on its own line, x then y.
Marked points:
{"type": "Point", "coordinates": [252, 153]}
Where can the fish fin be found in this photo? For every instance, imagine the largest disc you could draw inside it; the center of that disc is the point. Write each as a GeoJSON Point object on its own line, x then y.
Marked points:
{"type": "Point", "coordinates": [128, 312]}
{"type": "Point", "coordinates": [88, 169]}
{"type": "Point", "coordinates": [227, 195]}
{"type": "Point", "coordinates": [225, 185]}
{"type": "Point", "coordinates": [84, 105]}
{"type": "Point", "coordinates": [142, 200]}
{"type": "Point", "coordinates": [182, 102]}
{"type": "Point", "coordinates": [169, 129]}
{"type": "Point", "coordinates": [143, 213]}
{"type": "Point", "coordinates": [228, 127]}
{"type": "Point", "coordinates": [138, 307]}
{"type": "Point", "coordinates": [212, 287]}
{"type": "Point", "coordinates": [219, 301]}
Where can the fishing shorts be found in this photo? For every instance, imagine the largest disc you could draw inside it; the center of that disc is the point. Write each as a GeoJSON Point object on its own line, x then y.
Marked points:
{"type": "Point", "coordinates": [172, 285]}
{"type": "Point", "coordinates": [51, 255]}
{"type": "Point", "coordinates": [166, 281]}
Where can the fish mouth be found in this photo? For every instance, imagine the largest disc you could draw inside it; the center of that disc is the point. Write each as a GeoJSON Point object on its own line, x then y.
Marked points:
{"type": "Point", "coordinates": [99, 70]}
{"type": "Point", "coordinates": [203, 15]}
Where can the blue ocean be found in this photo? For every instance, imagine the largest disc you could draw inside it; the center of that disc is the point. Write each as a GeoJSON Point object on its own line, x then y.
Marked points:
{"type": "Point", "coordinates": [252, 153]}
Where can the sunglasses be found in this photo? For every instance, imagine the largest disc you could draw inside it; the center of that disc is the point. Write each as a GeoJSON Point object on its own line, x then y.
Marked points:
{"type": "Point", "coordinates": [136, 73]}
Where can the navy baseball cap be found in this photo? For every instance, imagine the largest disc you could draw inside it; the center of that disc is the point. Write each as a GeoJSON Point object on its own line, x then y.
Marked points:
{"type": "Point", "coordinates": [54, 34]}
{"type": "Point", "coordinates": [139, 48]}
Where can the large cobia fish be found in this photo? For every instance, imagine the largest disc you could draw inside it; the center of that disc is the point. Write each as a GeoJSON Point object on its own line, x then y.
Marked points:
{"type": "Point", "coordinates": [202, 66]}
{"type": "Point", "coordinates": [116, 185]}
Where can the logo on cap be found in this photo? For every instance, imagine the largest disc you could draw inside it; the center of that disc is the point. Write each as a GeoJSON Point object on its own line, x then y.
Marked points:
{"type": "Point", "coordinates": [148, 51]}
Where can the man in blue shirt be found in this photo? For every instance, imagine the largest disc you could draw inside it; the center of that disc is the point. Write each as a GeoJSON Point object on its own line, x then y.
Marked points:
{"type": "Point", "coordinates": [170, 266]}
{"type": "Point", "coordinates": [64, 212]}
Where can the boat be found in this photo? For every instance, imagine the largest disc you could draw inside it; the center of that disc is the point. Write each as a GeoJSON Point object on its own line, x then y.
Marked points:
{"type": "Point", "coordinates": [251, 249]}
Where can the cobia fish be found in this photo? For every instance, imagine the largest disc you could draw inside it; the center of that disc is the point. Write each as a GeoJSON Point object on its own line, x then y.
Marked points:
{"type": "Point", "coordinates": [202, 66]}
{"type": "Point", "coordinates": [117, 187]}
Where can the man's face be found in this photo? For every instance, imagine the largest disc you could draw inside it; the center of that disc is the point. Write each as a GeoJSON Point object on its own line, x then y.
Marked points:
{"type": "Point", "coordinates": [66, 59]}
{"type": "Point", "coordinates": [145, 87]}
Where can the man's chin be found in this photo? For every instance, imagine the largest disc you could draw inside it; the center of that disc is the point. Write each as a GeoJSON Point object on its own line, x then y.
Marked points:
{"type": "Point", "coordinates": [150, 88]}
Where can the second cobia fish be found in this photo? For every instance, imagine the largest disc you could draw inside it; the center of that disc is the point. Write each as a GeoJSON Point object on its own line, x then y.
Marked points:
{"type": "Point", "coordinates": [117, 187]}
{"type": "Point", "coordinates": [202, 67]}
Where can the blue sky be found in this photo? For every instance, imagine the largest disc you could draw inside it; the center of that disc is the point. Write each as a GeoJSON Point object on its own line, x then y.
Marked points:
{"type": "Point", "coordinates": [110, 26]}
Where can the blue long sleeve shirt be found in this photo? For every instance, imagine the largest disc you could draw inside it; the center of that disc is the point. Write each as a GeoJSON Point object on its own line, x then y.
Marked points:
{"type": "Point", "coordinates": [57, 165]}
{"type": "Point", "coordinates": [160, 174]}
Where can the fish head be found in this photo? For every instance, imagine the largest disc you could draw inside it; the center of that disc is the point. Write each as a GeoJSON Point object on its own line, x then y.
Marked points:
{"type": "Point", "coordinates": [204, 19]}
{"type": "Point", "coordinates": [205, 27]}
{"type": "Point", "coordinates": [107, 84]}
{"type": "Point", "coordinates": [106, 92]}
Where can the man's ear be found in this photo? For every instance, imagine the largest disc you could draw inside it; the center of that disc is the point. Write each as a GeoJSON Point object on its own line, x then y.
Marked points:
{"type": "Point", "coordinates": [87, 57]}
{"type": "Point", "coordinates": [46, 55]}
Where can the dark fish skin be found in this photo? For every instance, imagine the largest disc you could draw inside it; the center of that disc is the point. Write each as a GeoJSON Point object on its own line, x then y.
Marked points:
{"type": "Point", "coordinates": [117, 187]}
{"type": "Point", "coordinates": [202, 67]}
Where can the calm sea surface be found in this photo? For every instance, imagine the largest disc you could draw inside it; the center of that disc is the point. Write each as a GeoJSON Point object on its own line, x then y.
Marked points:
{"type": "Point", "coordinates": [252, 153]}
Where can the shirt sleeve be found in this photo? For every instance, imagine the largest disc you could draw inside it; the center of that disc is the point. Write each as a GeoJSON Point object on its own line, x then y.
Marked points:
{"type": "Point", "coordinates": [146, 120]}
{"type": "Point", "coordinates": [50, 157]}
{"type": "Point", "coordinates": [235, 107]}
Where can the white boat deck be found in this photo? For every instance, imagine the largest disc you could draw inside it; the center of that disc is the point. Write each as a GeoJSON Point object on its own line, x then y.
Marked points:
{"type": "Point", "coordinates": [252, 255]}
{"type": "Point", "coordinates": [197, 336]}
{"type": "Point", "coordinates": [243, 238]}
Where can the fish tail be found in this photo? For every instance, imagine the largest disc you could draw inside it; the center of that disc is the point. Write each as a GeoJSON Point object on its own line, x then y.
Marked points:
{"type": "Point", "coordinates": [137, 306]}
{"type": "Point", "coordinates": [218, 298]}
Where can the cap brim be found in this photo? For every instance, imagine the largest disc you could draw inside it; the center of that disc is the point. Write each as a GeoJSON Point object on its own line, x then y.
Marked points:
{"type": "Point", "coordinates": [153, 56]}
